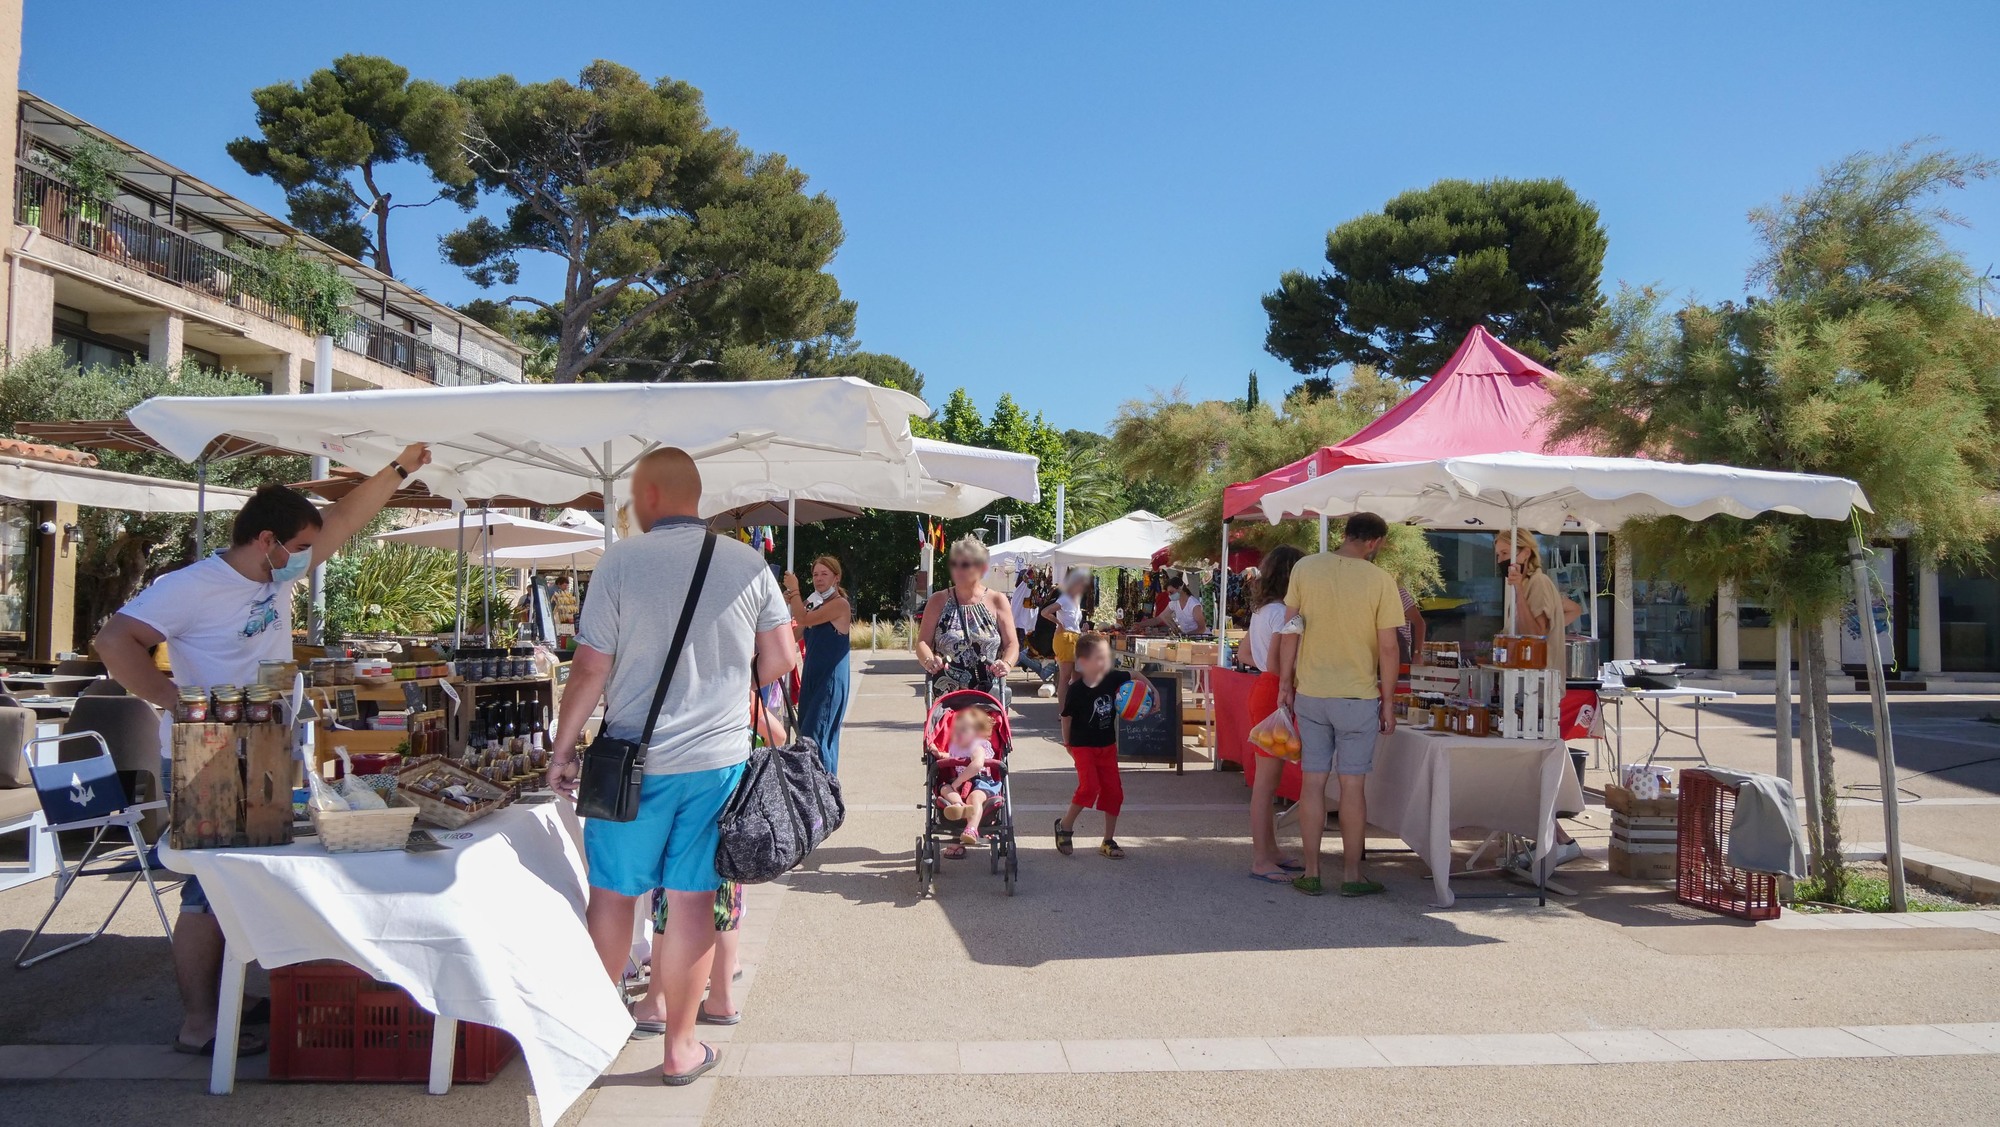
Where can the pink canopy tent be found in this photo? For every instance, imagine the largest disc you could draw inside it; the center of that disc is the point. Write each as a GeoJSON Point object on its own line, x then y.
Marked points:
{"type": "Point", "coordinates": [1487, 399]}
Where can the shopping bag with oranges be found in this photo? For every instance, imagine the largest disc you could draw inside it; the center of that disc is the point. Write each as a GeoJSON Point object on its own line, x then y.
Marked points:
{"type": "Point", "coordinates": [1277, 735]}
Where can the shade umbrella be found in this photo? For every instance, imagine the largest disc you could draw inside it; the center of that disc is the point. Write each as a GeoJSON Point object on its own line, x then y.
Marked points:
{"type": "Point", "coordinates": [1018, 551]}
{"type": "Point", "coordinates": [490, 531]}
{"type": "Point", "coordinates": [841, 439]}
{"type": "Point", "coordinates": [1129, 541]}
{"type": "Point", "coordinates": [778, 512]}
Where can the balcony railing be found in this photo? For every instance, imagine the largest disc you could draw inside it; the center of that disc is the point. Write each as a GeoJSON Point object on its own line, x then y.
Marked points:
{"type": "Point", "coordinates": [132, 240]}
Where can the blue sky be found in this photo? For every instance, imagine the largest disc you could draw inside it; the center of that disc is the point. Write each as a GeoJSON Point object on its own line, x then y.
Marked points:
{"type": "Point", "coordinates": [1079, 202]}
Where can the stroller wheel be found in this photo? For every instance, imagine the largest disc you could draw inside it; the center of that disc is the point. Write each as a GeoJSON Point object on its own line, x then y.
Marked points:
{"type": "Point", "coordinates": [1013, 865]}
{"type": "Point", "coordinates": [994, 867]}
{"type": "Point", "coordinates": [924, 869]}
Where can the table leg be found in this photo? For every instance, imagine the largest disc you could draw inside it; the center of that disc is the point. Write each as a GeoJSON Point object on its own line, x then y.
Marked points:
{"type": "Point", "coordinates": [444, 1050]}
{"type": "Point", "coordinates": [228, 1021]}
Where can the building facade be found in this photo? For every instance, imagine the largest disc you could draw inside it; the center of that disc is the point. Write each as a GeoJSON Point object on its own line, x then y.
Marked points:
{"type": "Point", "coordinates": [158, 272]}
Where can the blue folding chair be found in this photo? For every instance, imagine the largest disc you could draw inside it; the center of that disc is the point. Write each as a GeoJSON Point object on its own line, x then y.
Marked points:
{"type": "Point", "coordinates": [86, 794]}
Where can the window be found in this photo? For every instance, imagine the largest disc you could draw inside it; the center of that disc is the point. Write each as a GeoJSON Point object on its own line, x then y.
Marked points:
{"type": "Point", "coordinates": [17, 569]}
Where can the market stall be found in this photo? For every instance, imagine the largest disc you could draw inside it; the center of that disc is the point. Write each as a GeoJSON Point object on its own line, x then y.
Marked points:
{"type": "Point", "coordinates": [1512, 697]}
{"type": "Point", "coordinates": [488, 930]}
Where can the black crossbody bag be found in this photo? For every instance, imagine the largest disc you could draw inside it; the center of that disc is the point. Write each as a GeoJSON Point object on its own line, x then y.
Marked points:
{"type": "Point", "coordinates": [614, 770]}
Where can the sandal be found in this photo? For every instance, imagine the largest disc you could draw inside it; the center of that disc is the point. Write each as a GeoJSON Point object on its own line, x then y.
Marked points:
{"type": "Point", "coordinates": [247, 1045]}
{"type": "Point", "coordinates": [1109, 848]}
{"type": "Point", "coordinates": [955, 812]}
{"type": "Point", "coordinates": [1361, 887]}
{"type": "Point", "coordinates": [954, 852]}
{"type": "Point", "coordinates": [1272, 878]}
{"type": "Point", "coordinates": [703, 1017]}
{"type": "Point", "coordinates": [1065, 839]}
{"type": "Point", "coordinates": [683, 1079]}
{"type": "Point", "coordinates": [1309, 885]}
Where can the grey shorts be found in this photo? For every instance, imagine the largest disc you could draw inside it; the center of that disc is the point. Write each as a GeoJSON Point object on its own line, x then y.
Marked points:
{"type": "Point", "coordinates": [1337, 734]}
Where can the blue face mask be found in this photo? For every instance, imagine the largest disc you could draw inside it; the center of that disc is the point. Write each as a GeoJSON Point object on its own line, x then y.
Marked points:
{"type": "Point", "coordinates": [296, 566]}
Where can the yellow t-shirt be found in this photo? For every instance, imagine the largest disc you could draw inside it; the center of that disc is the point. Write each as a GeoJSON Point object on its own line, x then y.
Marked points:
{"type": "Point", "coordinates": [1345, 602]}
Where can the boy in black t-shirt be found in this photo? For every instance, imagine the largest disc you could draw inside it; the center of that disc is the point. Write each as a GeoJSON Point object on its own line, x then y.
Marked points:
{"type": "Point", "coordinates": [1090, 731]}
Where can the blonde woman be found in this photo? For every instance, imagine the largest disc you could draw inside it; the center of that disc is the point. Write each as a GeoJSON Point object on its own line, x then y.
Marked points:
{"type": "Point", "coordinates": [823, 619]}
{"type": "Point", "coordinates": [967, 638]}
{"type": "Point", "coordinates": [1539, 608]}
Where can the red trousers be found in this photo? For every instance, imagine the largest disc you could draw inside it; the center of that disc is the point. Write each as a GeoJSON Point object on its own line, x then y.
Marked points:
{"type": "Point", "coordinates": [1098, 786]}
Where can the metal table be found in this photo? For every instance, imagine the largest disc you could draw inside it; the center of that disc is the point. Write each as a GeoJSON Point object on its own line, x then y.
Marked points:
{"type": "Point", "coordinates": [1696, 696]}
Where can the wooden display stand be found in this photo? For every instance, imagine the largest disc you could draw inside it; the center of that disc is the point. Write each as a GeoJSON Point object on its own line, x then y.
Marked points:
{"type": "Point", "coordinates": [1530, 704]}
{"type": "Point", "coordinates": [540, 690]}
{"type": "Point", "coordinates": [390, 697]}
{"type": "Point", "coordinates": [232, 785]}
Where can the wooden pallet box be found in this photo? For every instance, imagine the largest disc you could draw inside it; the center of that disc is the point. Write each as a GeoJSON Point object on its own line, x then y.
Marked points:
{"type": "Point", "coordinates": [232, 785]}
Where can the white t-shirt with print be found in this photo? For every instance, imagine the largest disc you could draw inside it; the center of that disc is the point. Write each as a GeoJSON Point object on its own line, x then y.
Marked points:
{"type": "Point", "coordinates": [1069, 613]}
{"type": "Point", "coordinates": [218, 623]}
{"type": "Point", "coordinates": [1024, 615]}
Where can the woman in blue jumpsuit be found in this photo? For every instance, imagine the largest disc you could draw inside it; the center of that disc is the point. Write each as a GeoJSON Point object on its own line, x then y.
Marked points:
{"type": "Point", "coordinates": [822, 619]}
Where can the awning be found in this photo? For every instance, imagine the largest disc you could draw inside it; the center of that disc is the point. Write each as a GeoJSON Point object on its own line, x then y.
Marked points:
{"type": "Point", "coordinates": [25, 479]}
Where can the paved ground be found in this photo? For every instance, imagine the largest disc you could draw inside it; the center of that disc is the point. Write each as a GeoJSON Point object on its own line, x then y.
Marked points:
{"type": "Point", "coordinates": [1184, 965]}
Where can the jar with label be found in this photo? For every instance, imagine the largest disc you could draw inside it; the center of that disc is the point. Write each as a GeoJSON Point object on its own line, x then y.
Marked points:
{"type": "Point", "coordinates": [277, 674]}
{"type": "Point", "coordinates": [228, 706]}
{"type": "Point", "coordinates": [193, 707]}
{"type": "Point", "coordinates": [260, 704]}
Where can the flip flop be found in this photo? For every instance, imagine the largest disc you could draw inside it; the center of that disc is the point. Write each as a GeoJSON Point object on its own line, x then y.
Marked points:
{"type": "Point", "coordinates": [683, 1079]}
{"type": "Point", "coordinates": [1361, 887]}
{"type": "Point", "coordinates": [703, 1017]}
{"type": "Point", "coordinates": [1271, 878]}
{"type": "Point", "coordinates": [247, 1045]}
{"type": "Point", "coordinates": [647, 1030]}
{"type": "Point", "coordinates": [1292, 866]}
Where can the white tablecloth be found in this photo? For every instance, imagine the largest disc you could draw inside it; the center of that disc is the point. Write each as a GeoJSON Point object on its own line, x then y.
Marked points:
{"type": "Point", "coordinates": [489, 931]}
{"type": "Point", "coordinates": [1425, 785]}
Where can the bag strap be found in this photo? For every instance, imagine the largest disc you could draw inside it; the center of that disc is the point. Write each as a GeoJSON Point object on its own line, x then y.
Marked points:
{"type": "Point", "coordinates": [680, 640]}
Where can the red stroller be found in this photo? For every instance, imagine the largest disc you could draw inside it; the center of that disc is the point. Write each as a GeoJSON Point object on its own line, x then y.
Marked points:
{"type": "Point", "coordinates": [998, 817]}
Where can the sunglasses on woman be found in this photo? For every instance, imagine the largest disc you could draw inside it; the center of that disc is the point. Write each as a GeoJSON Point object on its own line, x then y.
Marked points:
{"type": "Point", "coordinates": [965, 564]}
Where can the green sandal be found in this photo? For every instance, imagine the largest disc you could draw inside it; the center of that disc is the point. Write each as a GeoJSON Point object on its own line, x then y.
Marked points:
{"type": "Point", "coordinates": [1065, 839]}
{"type": "Point", "coordinates": [1361, 887]}
{"type": "Point", "coordinates": [1309, 885]}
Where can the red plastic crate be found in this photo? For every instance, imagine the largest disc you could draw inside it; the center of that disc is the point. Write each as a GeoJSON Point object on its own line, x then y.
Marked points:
{"type": "Point", "coordinates": [1705, 878]}
{"type": "Point", "coordinates": [330, 1021]}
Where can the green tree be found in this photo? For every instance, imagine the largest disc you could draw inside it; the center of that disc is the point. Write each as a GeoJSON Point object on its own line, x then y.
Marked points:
{"type": "Point", "coordinates": [119, 552]}
{"type": "Point", "coordinates": [1865, 357]}
{"type": "Point", "coordinates": [1250, 398]}
{"type": "Point", "coordinates": [327, 141]}
{"type": "Point", "coordinates": [878, 368]}
{"type": "Point", "coordinates": [1201, 448]}
{"type": "Point", "coordinates": [667, 227]}
{"type": "Point", "coordinates": [1404, 286]}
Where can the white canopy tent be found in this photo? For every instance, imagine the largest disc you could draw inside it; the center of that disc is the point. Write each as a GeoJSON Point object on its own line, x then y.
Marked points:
{"type": "Point", "coordinates": [487, 532]}
{"type": "Point", "coordinates": [1129, 541]}
{"type": "Point", "coordinates": [1543, 493]}
{"type": "Point", "coordinates": [1020, 550]}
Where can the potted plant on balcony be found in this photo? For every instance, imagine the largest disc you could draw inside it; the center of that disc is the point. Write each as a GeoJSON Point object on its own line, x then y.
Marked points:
{"type": "Point", "coordinates": [295, 284]}
{"type": "Point", "coordinates": [91, 170]}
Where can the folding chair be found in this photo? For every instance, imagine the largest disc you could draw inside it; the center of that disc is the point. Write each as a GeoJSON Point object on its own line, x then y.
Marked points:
{"type": "Point", "coordinates": [85, 794]}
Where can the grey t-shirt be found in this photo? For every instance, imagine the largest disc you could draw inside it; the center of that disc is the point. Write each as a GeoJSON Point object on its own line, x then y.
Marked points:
{"type": "Point", "coordinates": [633, 605]}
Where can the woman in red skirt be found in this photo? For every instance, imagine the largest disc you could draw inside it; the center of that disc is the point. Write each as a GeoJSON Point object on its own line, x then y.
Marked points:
{"type": "Point", "coordinates": [1274, 577]}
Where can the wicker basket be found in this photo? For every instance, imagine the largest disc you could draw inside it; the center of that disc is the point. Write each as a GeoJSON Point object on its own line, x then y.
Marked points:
{"type": "Point", "coordinates": [366, 831]}
{"type": "Point", "coordinates": [489, 796]}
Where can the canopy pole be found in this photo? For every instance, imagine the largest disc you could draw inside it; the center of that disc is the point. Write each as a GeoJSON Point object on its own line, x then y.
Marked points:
{"type": "Point", "coordinates": [1222, 603]}
{"type": "Point", "coordinates": [486, 561]}
{"type": "Point", "coordinates": [1506, 592]}
{"type": "Point", "coordinates": [458, 630]}
{"type": "Point", "coordinates": [1062, 507]}
{"type": "Point", "coordinates": [608, 488]}
{"type": "Point", "coordinates": [791, 532]}
{"type": "Point", "coordinates": [1783, 693]}
{"type": "Point", "coordinates": [1322, 532]}
{"type": "Point", "coordinates": [1592, 536]}
{"type": "Point", "coordinates": [1885, 740]}
{"type": "Point", "coordinates": [316, 584]}
{"type": "Point", "coordinates": [200, 507]}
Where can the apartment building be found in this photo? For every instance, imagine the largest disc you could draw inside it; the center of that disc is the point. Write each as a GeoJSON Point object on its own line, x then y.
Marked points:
{"type": "Point", "coordinates": [158, 273]}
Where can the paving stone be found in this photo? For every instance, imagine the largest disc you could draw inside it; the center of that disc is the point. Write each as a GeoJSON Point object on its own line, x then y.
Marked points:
{"type": "Point", "coordinates": [1223, 1054]}
{"type": "Point", "coordinates": [1011, 1057]}
{"type": "Point", "coordinates": [40, 1062]}
{"type": "Point", "coordinates": [1627, 1046]}
{"type": "Point", "coordinates": [137, 1062]}
{"type": "Point", "coordinates": [796, 1058]}
{"type": "Point", "coordinates": [1133, 1055]}
{"type": "Point", "coordinates": [1326, 1052]}
{"type": "Point", "coordinates": [1725, 1044]}
{"type": "Point", "coordinates": [904, 1058]}
{"type": "Point", "coordinates": [1523, 1049]}
{"type": "Point", "coordinates": [1423, 1049]}
{"type": "Point", "coordinates": [1822, 1041]}
{"type": "Point", "coordinates": [1985, 1034]}
{"type": "Point", "coordinates": [1915, 1040]}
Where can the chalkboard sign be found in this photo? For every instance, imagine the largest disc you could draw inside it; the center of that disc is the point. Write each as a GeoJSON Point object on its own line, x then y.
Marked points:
{"type": "Point", "coordinates": [1155, 738]}
{"type": "Point", "coordinates": [346, 707]}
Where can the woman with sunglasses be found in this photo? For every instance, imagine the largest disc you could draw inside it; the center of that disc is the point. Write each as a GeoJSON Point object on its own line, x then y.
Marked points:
{"type": "Point", "coordinates": [967, 639]}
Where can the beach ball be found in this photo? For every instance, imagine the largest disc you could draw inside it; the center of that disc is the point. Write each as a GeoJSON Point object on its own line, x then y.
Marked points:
{"type": "Point", "coordinates": [1136, 699]}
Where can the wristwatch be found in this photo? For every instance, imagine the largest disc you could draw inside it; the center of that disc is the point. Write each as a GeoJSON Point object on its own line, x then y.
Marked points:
{"type": "Point", "coordinates": [401, 473]}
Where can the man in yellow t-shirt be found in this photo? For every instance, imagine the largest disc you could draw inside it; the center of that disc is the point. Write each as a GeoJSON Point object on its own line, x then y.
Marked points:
{"type": "Point", "coordinates": [1338, 678]}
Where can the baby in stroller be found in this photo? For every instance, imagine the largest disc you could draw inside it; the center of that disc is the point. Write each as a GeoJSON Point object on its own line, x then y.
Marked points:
{"type": "Point", "coordinates": [966, 784]}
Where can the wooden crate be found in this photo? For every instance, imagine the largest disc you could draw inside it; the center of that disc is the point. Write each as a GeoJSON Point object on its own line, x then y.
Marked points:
{"type": "Point", "coordinates": [1641, 866]}
{"type": "Point", "coordinates": [212, 808]}
{"type": "Point", "coordinates": [1621, 800]}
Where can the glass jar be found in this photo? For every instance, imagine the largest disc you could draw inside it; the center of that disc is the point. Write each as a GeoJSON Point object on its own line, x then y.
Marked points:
{"type": "Point", "coordinates": [343, 671]}
{"type": "Point", "coordinates": [260, 704]}
{"type": "Point", "coordinates": [193, 707]}
{"type": "Point", "coordinates": [228, 706]}
{"type": "Point", "coordinates": [277, 674]}
{"type": "Point", "coordinates": [404, 671]}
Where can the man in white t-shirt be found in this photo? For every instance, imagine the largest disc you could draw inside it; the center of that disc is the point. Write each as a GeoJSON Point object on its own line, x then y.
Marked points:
{"type": "Point", "coordinates": [219, 617]}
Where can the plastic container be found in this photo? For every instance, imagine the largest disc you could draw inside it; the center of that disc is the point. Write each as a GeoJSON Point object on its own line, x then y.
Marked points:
{"type": "Point", "coordinates": [1704, 878]}
{"type": "Point", "coordinates": [331, 1022]}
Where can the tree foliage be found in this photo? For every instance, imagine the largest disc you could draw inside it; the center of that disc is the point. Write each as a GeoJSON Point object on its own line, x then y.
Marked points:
{"type": "Point", "coordinates": [1200, 448]}
{"type": "Point", "coordinates": [328, 140]}
{"type": "Point", "coordinates": [1864, 357]}
{"type": "Point", "coordinates": [676, 240]}
{"type": "Point", "coordinates": [120, 552]}
{"type": "Point", "coordinates": [1404, 286]}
